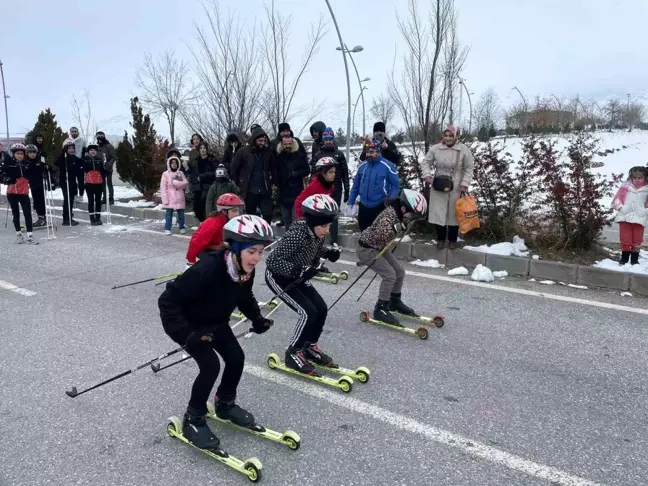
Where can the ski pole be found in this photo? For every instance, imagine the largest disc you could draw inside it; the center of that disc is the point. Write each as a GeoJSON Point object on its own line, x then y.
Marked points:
{"type": "Point", "coordinates": [7, 211]}
{"type": "Point", "coordinates": [73, 392]}
{"type": "Point", "coordinates": [144, 281]}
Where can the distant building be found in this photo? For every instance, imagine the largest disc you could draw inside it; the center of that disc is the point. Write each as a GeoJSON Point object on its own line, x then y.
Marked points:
{"type": "Point", "coordinates": [12, 140]}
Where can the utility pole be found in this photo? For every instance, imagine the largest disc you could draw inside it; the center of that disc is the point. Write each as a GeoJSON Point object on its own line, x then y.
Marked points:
{"type": "Point", "coordinates": [4, 94]}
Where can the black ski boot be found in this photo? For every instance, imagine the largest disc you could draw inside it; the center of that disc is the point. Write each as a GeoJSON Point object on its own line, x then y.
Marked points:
{"type": "Point", "coordinates": [93, 220]}
{"type": "Point", "coordinates": [98, 220]}
{"type": "Point", "coordinates": [231, 411]}
{"type": "Point", "coordinates": [41, 223]}
{"type": "Point", "coordinates": [625, 257]}
{"type": "Point", "coordinates": [381, 313]}
{"type": "Point", "coordinates": [296, 360]}
{"type": "Point", "coordinates": [397, 305]}
{"type": "Point", "coordinates": [323, 269]}
{"type": "Point", "coordinates": [634, 258]}
{"type": "Point", "coordinates": [316, 355]}
{"type": "Point", "coordinates": [196, 430]}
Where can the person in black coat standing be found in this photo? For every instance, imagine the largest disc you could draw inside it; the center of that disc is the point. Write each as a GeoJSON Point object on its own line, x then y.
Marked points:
{"type": "Point", "coordinates": [201, 175]}
{"type": "Point", "coordinates": [232, 145]}
{"type": "Point", "coordinates": [292, 166]}
{"type": "Point", "coordinates": [388, 148]}
{"type": "Point", "coordinates": [36, 176]}
{"type": "Point", "coordinates": [69, 165]}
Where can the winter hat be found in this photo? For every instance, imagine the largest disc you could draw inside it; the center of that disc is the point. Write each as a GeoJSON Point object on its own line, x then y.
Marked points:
{"type": "Point", "coordinates": [379, 127]}
{"type": "Point", "coordinates": [317, 127]}
{"type": "Point", "coordinates": [254, 126]}
{"type": "Point", "coordinates": [100, 134]}
{"type": "Point", "coordinates": [283, 127]}
{"type": "Point", "coordinates": [93, 146]}
{"type": "Point", "coordinates": [173, 151]}
{"type": "Point", "coordinates": [452, 129]}
{"type": "Point", "coordinates": [328, 134]}
{"type": "Point", "coordinates": [258, 132]}
{"type": "Point", "coordinates": [232, 137]}
{"type": "Point", "coordinates": [372, 145]}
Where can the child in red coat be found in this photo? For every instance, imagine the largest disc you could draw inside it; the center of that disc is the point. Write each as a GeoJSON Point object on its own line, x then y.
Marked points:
{"type": "Point", "coordinates": [321, 182]}
{"type": "Point", "coordinates": [210, 233]}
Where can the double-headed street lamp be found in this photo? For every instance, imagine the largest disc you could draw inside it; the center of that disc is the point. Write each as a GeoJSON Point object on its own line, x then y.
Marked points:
{"type": "Point", "coordinates": [355, 50]}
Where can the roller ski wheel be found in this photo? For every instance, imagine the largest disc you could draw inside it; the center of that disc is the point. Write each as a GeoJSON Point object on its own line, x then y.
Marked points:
{"type": "Point", "coordinates": [421, 332]}
{"type": "Point", "coordinates": [327, 277]}
{"type": "Point", "coordinates": [272, 303]}
{"type": "Point", "coordinates": [237, 315]}
{"type": "Point", "coordinates": [289, 438]}
{"type": "Point", "coordinates": [437, 321]}
{"type": "Point", "coordinates": [251, 467]}
{"type": "Point", "coordinates": [344, 383]}
{"type": "Point", "coordinates": [361, 374]}
{"type": "Point", "coordinates": [344, 275]}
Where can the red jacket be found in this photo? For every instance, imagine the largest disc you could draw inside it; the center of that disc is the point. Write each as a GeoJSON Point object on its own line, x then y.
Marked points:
{"type": "Point", "coordinates": [316, 186]}
{"type": "Point", "coordinates": [208, 236]}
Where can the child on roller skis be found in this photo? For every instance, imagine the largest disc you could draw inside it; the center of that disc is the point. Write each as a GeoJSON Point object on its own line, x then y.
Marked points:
{"type": "Point", "coordinates": [94, 175]}
{"type": "Point", "coordinates": [195, 319]}
{"type": "Point", "coordinates": [16, 172]}
{"type": "Point", "coordinates": [390, 224]}
{"type": "Point", "coordinates": [210, 234]}
{"type": "Point", "coordinates": [289, 268]}
{"type": "Point", "coordinates": [37, 171]}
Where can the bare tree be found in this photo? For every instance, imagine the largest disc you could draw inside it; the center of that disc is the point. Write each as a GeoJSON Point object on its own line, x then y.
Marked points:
{"type": "Point", "coordinates": [614, 113]}
{"type": "Point", "coordinates": [82, 116]}
{"type": "Point", "coordinates": [488, 112]}
{"type": "Point", "coordinates": [633, 114]}
{"type": "Point", "coordinates": [383, 108]}
{"type": "Point", "coordinates": [284, 85]}
{"type": "Point", "coordinates": [233, 76]}
{"type": "Point", "coordinates": [165, 87]}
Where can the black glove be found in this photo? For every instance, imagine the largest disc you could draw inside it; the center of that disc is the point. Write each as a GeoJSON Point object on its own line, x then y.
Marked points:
{"type": "Point", "coordinates": [261, 325]}
{"type": "Point", "coordinates": [308, 273]}
{"type": "Point", "coordinates": [197, 338]}
{"type": "Point", "coordinates": [332, 254]}
{"type": "Point", "coordinates": [345, 199]}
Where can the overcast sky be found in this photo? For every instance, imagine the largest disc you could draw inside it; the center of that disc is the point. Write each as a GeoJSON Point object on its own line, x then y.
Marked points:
{"type": "Point", "coordinates": [52, 51]}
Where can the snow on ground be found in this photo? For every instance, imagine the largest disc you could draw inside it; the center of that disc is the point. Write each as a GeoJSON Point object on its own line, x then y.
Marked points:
{"type": "Point", "coordinates": [573, 286]}
{"type": "Point", "coordinates": [135, 204]}
{"type": "Point", "coordinates": [626, 294]}
{"type": "Point", "coordinates": [545, 282]}
{"type": "Point", "coordinates": [482, 274]}
{"type": "Point", "coordinates": [615, 266]}
{"type": "Point", "coordinates": [458, 271]}
{"type": "Point", "coordinates": [406, 239]}
{"type": "Point", "coordinates": [115, 228]}
{"type": "Point", "coordinates": [428, 263]}
{"type": "Point", "coordinates": [516, 248]}
{"type": "Point", "coordinates": [500, 274]}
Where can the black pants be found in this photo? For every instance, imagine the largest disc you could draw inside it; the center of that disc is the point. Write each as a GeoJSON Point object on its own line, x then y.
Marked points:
{"type": "Point", "coordinates": [262, 201]}
{"type": "Point", "coordinates": [80, 183]}
{"type": "Point", "coordinates": [447, 232]}
{"type": "Point", "coordinates": [226, 345]}
{"type": "Point", "coordinates": [68, 199]}
{"type": "Point", "coordinates": [335, 226]}
{"type": "Point", "coordinates": [366, 215]}
{"type": "Point", "coordinates": [111, 191]}
{"type": "Point", "coordinates": [307, 302]}
{"type": "Point", "coordinates": [199, 205]}
{"type": "Point", "coordinates": [95, 193]}
{"type": "Point", "coordinates": [38, 195]}
{"type": "Point", "coordinates": [16, 202]}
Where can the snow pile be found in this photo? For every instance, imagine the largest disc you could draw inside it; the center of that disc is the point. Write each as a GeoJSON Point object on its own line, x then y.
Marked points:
{"type": "Point", "coordinates": [500, 274]}
{"type": "Point", "coordinates": [641, 268]}
{"type": "Point", "coordinates": [547, 282]}
{"type": "Point", "coordinates": [458, 271]}
{"type": "Point", "coordinates": [135, 204]}
{"type": "Point", "coordinates": [482, 274]}
{"type": "Point", "coordinates": [626, 294]}
{"type": "Point", "coordinates": [115, 228]}
{"type": "Point", "coordinates": [535, 257]}
{"type": "Point", "coordinates": [428, 263]}
{"type": "Point", "coordinates": [406, 239]}
{"type": "Point", "coordinates": [573, 286]}
{"type": "Point", "coordinates": [516, 248]}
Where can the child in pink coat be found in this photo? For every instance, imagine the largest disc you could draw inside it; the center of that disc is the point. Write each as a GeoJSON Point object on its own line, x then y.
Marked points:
{"type": "Point", "coordinates": [172, 187]}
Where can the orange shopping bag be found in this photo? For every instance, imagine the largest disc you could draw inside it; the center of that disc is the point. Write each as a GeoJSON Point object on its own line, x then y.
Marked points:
{"type": "Point", "coordinates": [467, 215]}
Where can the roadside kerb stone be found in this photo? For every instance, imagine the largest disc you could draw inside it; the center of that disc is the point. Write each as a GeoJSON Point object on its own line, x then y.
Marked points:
{"type": "Point", "coordinates": [639, 284]}
{"type": "Point", "coordinates": [465, 258]}
{"type": "Point", "coordinates": [512, 264]}
{"type": "Point", "coordinates": [599, 277]}
{"type": "Point", "coordinates": [556, 271]}
{"type": "Point", "coordinates": [421, 251]}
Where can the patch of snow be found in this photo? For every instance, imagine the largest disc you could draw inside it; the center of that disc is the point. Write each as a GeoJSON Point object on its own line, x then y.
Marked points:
{"type": "Point", "coordinates": [159, 207]}
{"type": "Point", "coordinates": [500, 274]}
{"type": "Point", "coordinates": [547, 282]}
{"type": "Point", "coordinates": [428, 263]}
{"type": "Point", "coordinates": [135, 204]}
{"type": "Point", "coordinates": [535, 257]}
{"type": "Point", "coordinates": [626, 294]}
{"type": "Point", "coordinates": [516, 248]}
{"type": "Point", "coordinates": [431, 242]}
{"type": "Point", "coordinates": [482, 274]}
{"type": "Point", "coordinates": [607, 264]}
{"type": "Point", "coordinates": [532, 280]}
{"type": "Point", "coordinates": [406, 239]}
{"type": "Point", "coordinates": [458, 271]}
{"type": "Point", "coordinates": [574, 286]}
{"type": "Point", "coordinates": [115, 228]}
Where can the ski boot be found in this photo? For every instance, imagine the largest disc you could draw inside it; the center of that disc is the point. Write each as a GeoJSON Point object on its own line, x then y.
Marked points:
{"type": "Point", "coordinates": [634, 258]}
{"type": "Point", "coordinates": [398, 306]}
{"type": "Point", "coordinates": [625, 257]}
{"type": "Point", "coordinates": [20, 239]}
{"type": "Point", "coordinates": [196, 430]}
{"type": "Point", "coordinates": [229, 410]}
{"type": "Point", "coordinates": [98, 220]}
{"type": "Point", "coordinates": [383, 314]}
{"type": "Point", "coordinates": [323, 270]}
{"type": "Point", "coordinates": [93, 220]}
{"type": "Point", "coordinates": [41, 223]}
{"type": "Point", "coordinates": [70, 223]}
{"type": "Point", "coordinates": [296, 360]}
{"type": "Point", "coordinates": [30, 240]}
{"type": "Point", "coordinates": [313, 353]}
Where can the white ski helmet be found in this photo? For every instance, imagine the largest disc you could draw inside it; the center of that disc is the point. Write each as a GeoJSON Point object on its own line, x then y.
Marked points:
{"type": "Point", "coordinates": [248, 228]}
{"type": "Point", "coordinates": [320, 209]}
{"type": "Point", "coordinates": [414, 201]}
{"type": "Point", "coordinates": [325, 163]}
{"type": "Point", "coordinates": [69, 143]}
{"type": "Point", "coordinates": [17, 147]}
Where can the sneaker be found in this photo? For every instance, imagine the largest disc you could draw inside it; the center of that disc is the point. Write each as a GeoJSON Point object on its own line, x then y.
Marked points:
{"type": "Point", "coordinates": [41, 223]}
{"type": "Point", "coordinates": [313, 353]}
{"type": "Point", "coordinates": [235, 414]}
{"type": "Point", "coordinates": [196, 430]}
{"type": "Point", "coordinates": [30, 240]}
{"type": "Point", "coordinates": [20, 239]}
{"type": "Point", "coordinates": [296, 360]}
{"type": "Point", "coordinates": [167, 232]}
{"type": "Point", "coordinates": [183, 231]}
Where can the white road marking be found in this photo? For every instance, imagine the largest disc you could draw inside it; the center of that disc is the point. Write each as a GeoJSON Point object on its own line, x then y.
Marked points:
{"type": "Point", "coordinates": [14, 288]}
{"type": "Point", "coordinates": [444, 437]}
{"type": "Point", "coordinates": [513, 290]}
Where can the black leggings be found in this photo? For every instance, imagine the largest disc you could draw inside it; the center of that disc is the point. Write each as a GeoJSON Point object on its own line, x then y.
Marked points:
{"type": "Point", "coordinates": [367, 215]}
{"type": "Point", "coordinates": [226, 345]}
{"type": "Point", "coordinates": [95, 192]}
{"type": "Point", "coordinates": [16, 202]}
{"type": "Point", "coordinates": [335, 226]}
{"type": "Point", "coordinates": [199, 206]}
{"type": "Point", "coordinates": [38, 195]}
{"type": "Point", "coordinates": [449, 232]}
{"type": "Point", "coordinates": [307, 302]}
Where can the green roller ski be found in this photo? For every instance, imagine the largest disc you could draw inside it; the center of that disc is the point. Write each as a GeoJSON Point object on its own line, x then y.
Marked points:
{"type": "Point", "coordinates": [421, 332]}
{"type": "Point", "coordinates": [289, 438]}
{"type": "Point", "coordinates": [438, 321]}
{"type": "Point", "coordinates": [344, 383]}
{"type": "Point", "coordinates": [332, 277]}
{"type": "Point", "coordinates": [251, 467]}
{"type": "Point", "coordinates": [272, 304]}
{"type": "Point", "coordinates": [361, 374]}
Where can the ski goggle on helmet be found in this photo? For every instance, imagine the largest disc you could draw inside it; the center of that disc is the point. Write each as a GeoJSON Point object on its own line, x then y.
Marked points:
{"type": "Point", "coordinates": [247, 230]}
{"type": "Point", "coordinates": [414, 202]}
{"type": "Point", "coordinates": [228, 201]}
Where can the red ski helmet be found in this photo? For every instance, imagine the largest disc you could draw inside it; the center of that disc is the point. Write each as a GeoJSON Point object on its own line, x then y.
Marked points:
{"type": "Point", "coordinates": [228, 201]}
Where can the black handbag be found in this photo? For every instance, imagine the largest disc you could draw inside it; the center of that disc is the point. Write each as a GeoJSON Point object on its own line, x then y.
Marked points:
{"type": "Point", "coordinates": [445, 183]}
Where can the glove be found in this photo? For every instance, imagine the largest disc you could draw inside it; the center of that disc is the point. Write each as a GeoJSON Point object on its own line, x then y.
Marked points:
{"type": "Point", "coordinates": [308, 273]}
{"type": "Point", "coordinates": [345, 199]}
{"type": "Point", "coordinates": [261, 325]}
{"type": "Point", "coordinates": [199, 338]}
{"type": "Point", "coordinates": [332, 254]}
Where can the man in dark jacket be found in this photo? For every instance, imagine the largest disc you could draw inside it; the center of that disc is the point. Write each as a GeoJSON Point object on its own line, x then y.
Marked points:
{"type": "Point", "coordinates": [232, 145]}
{"type": "Point", "coordinates": [329, 148]}
{"type": "Point", "coordinates": [252, 171]}
{"type": "Point", "coordinates": [316, 130]}
{"type": "Point", "coordinates": [3, 155]}
{"type": "Point", "coordinates": [284, 130]}
{"type": "Point", "coordinates": [108, 151]}
{"type": "Point", "coordinates": [39, 141]}
{"type": "Point", "coordinates": [202, 174]}
{"type": "Point", "coordinates": [292, 166]}
{"type": "Point", "coordinates": [68, 165]}
{"type": "Point", "coordinates": [388, 148]}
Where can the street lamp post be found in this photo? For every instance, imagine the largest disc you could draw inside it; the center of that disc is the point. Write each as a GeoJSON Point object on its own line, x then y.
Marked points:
{"type": "Point", "coordinates": [526, 108]}
{"type": "Point", "coordinates": [348, 80]}
{"type": "Point", "coordinates": [356, 106]}
{"type": "Point", "coordinates": [559, 110]}
{"type": "Point", "coordinates": [4, 94]}
{"type": "Point", "coordinates": [469, 105]}
{"type": "Point", "coordinates": [355, 50]}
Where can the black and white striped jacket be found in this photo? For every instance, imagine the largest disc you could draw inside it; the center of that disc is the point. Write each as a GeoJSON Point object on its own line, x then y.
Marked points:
{"type": "Point", "coordinates": [299, 248]}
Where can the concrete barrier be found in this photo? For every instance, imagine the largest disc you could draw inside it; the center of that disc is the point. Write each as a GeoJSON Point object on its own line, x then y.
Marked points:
{"type": "Point", "coordinates": [639, 284]}
{"type": "Point", "coordinates": [465, 258]}
{"type": "Point", "coordinates": [599, 277]}
{"type": "Point", "coordinates": [557, 271]}
{"type": "Point", "coordinates": [512, 264]}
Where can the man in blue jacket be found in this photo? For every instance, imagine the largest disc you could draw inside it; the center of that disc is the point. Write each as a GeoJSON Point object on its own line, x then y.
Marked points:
{"type": "Point", "coordinates": [376, 180]}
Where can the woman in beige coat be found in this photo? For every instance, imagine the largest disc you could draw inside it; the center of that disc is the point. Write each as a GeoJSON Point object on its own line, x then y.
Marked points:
{"type": "Point", "coordinates": [449, 159]}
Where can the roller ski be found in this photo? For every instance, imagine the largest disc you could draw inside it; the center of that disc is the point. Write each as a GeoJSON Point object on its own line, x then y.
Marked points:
{"type": "Point", "coordinates": [399, 308]}
{"type": "Point", "coordinates": [332, 277]}
{"type": "Point", "coordinates": [288, 438]}
{"type": "Point", "coordinates": [272, 304]}
{"type": "Point", "coordinates": [297, 364]}
{"type": "Point", "coordinates": [321, 360]}
{"type": "Point", "coordinates": [382, 316]}
{"type": "Point", "coordinates": [193, 430]}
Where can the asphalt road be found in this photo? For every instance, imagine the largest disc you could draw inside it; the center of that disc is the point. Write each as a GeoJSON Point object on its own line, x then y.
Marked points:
{"type": "Point", "coordinates": [516, 389]}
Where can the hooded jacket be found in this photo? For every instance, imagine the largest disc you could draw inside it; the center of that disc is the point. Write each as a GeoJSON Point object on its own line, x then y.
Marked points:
{"type": "Point", "coordinates": [172, 186]}
{"type": "Point", "coordinates": [230, 150]}
{"type": "Point", "coordinates": [318, 185]}
{"type": "Point", "coordinates": [374, 182]}
{"type": "Point", "coordinates": [318, 127]}
{"type": "Point", "coordinates": [243, 164]}
{"type": "Point", "coordinates": [205, 169]}
{"type": "Point", "coordinates": [632, 205]}
{"type": "Point", "coordinates": [108, 150]}
{"type": "Point", "coordinates": [341, 171]}
{"type": "Point", "coordinates": [291, 168]}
